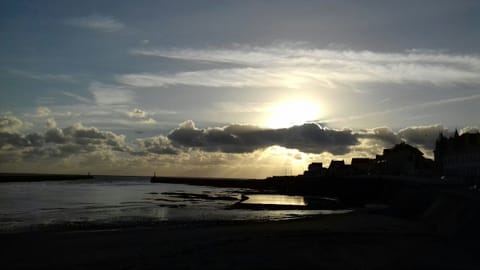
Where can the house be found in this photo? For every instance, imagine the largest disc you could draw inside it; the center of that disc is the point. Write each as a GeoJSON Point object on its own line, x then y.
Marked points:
{"type": "Point", "coordinates": [315, 169]}
{"type": "Point", "coordinates": [362, 166]}
{"type": "Point", "coordinates": [458, 155]}
{"type": "Point", "coordinates": [403, 159]}
{"type": "Point", "coordinates": [338, 168]}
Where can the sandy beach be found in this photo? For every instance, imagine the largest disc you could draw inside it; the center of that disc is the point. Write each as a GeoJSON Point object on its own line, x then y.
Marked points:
{"type": "Point", "coordinates": [348, 241]}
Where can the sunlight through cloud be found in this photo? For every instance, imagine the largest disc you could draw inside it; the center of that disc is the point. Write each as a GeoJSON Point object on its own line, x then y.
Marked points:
{"type": "Point", "coordinates": [290, 113]}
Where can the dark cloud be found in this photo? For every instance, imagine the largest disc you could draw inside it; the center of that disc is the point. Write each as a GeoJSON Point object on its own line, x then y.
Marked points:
{"type": "Point", "coordinates": [35, 139]}
{"type": "Point", "coordinates": [19, 140]}
{"type": "Point", "coordinates": [310, 138]}
{"type": "Point", "coordinates": [188, 135]}
{"type": "Point", "coordinates": [188, 147]}
{"type": "Point", "coordinates": [382, 134]}
{"type": "Point", "coordinates": [88, 136]}
{"type": "Point", "coordinates": [424, 136]}
{"type": "Point", "coordinates": [61, 143]}
{"type": "Point", "coordinates": [156, 145]}
{"type": "Point", "coordinates": [55, 135]}
{"type": "Point", "coordinates": [13, 139]}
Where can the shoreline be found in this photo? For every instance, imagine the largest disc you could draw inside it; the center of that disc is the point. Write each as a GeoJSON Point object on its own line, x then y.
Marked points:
{"type": "Point", "coordinates": [153, 223]}
{"type": "Point", "coordinates": [350, 241]}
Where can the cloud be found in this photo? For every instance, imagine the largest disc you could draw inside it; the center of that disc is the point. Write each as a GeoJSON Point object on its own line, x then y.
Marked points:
{"type": "Point", "coordinates": [294, 67]}
{"type": "Point", "coordinates": [383, 134]}
{"type": "Point", "coordinates": [232, 150]}
{"type": "Point", "coordinates": [310, 138]}
{"type": "Point", "coordinates": [238, 77]}
{"type": "Point", "coordinates": [77, 97]}
{"type": "Point", "coordinates": [469, 130]}
{"type": "Point", "coordinates": [424, 136]}
{"type": "Point", "coordinates": [58, 143]}
{"type": "Point", "coordinates": [110, 94]}
{"type": "Point", "coordinates": [97, 22]}
{"type": "Point", "coordinates": [18, 140]}
{"type": "Point", "coordinates": [43, 76]}
{"type": "Point", "coordinates": [51, 123]}
{"type": "Point", "coordinates": [438, 102]}
{"type": "Point", "coordinates": [55, 135]}
{"type": "Point", "coordinates": [156, 145]}
{"type": "Point", "coordinates": [137, 113]}
{"type": "Point", "coordinates": [82, 135]}
{"type": "Point", "coordinates": [449, 100]}
{"type": "Point", "coordinates": [149, 121]}
{"type": "Point", "coordinates": [43, 112]}
{"type": "Point", "coordinates": [10, 123]}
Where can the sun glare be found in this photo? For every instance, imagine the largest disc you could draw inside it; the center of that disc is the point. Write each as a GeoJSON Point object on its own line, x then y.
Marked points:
{"type": "Point", "coordinates": [291, 113]}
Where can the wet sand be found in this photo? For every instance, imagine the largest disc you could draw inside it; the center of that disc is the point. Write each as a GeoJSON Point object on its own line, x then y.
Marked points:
{"type": "Point", "coordinates": [350, 241]}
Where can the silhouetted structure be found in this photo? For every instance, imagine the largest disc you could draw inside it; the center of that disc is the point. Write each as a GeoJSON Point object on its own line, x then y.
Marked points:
{"type": "Point", "coordinates": [315, 169]}
{"type": "Point", "coordinates": [363, 166]}
{"type": "Point", "coordinates": [404, 159]}
{"type": "Point", "coordinates": [458, 155]}
{"type": "Point", "coordinates": [338, 168]}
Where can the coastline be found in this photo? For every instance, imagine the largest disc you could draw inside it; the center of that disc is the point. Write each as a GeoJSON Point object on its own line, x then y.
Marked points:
{"type": "Point", "coordinates": [424, 228]}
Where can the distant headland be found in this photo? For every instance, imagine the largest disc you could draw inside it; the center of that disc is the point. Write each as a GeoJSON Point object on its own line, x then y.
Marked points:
{"type": "Point", "coordinates": [33, 177]}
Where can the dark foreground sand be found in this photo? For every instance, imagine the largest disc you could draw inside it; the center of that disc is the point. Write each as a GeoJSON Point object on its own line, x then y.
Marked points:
{"type": "Point", "coordinates": [351, 241]}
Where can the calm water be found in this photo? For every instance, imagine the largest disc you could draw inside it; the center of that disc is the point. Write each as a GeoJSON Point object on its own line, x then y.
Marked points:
{"type": "Point", "coordinates": [113, 199]}
{"type": "Point", "coordinates": [275, 199]}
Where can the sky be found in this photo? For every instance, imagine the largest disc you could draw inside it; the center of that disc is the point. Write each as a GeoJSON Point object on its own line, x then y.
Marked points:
{"type": "Point", "coordinates": [230, 88]}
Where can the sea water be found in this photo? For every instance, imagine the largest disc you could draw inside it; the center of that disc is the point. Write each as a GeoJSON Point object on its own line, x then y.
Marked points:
{"type": "Point", "coordinates": [115, 199]}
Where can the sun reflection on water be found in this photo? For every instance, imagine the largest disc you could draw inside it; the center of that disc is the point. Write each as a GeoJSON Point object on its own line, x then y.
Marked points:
{"type": "Point", "coordinates": [275, 199]}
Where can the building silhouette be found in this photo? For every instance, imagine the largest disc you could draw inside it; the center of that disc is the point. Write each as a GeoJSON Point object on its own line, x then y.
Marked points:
{"type": "Point", "coordinates": [402, 159]}
{"type": "Point", "coordinates": [338, 168]}
{"type": "Point", "coordinates": [316, 169]}
{"type": "Point", "coordinates": [363, 166]}
{"type": "Point", "coordinates": [458, 155]}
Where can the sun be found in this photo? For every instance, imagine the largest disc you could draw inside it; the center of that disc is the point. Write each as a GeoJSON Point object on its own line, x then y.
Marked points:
{"type": "Point", "coordinates": [289, 113]}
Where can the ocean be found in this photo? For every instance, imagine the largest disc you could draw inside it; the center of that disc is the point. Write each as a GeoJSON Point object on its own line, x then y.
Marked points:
{"type": "Point", "coordinates": [110, 200]}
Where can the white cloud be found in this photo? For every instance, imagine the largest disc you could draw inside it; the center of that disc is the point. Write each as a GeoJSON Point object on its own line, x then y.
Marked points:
{"type": "Point", "coordinates": [110, 94]}
{"type": "Point", "coordinates": [244, 107]}
{"type": "Point", "coordinates": [294, 67]}
{"type": "Point", "coordinates": [137, 113]}
{"type": "Point", "coordinates": [43, 112]}
{"type": "Point", "coordinates": [51, 123]}
{"type": "Point", "coordinates": [43, 76]}
{"type": "Point", "coordinates": [10, 123]}
{"type": "Point", "coordinates": [149, 121]}
{"type": "Point", "coordinates": [97, 22]}
{"type": "Point", "coordinates": [238, 77]}
{"type": "Point", "coordinates": [77, 97]}
{"type": "Point", "coordinates": [433, 103]}
{"type": "Point", "coordinates": [472, 129]}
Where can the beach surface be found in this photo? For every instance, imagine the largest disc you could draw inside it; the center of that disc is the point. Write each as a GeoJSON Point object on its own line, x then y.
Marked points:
{"type": "Point", "coordinates": [349, 241]}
